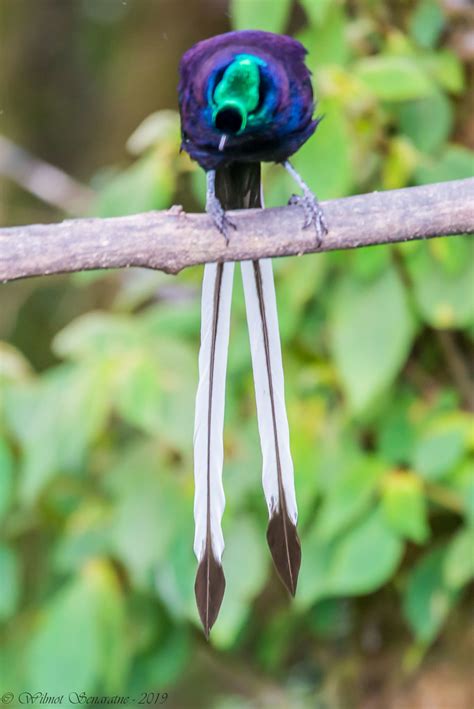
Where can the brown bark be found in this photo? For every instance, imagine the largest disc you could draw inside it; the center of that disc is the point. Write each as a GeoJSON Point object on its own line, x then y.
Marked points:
{"type": "Point", "coordinates": [173, 240]}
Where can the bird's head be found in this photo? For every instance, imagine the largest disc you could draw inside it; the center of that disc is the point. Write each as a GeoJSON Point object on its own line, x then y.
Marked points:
{"type": "Point", "coordinates": [236, 94]}
{"type": "Point", "coordinates": [245, 96]}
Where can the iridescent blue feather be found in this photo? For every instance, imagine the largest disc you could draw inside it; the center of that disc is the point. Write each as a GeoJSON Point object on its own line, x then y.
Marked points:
{"type": "Point", "coordinates": [283, 120]}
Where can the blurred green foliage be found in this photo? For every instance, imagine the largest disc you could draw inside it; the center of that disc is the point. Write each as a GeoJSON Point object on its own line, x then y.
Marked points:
{"type": "Point", "coordinates": [96, 489]}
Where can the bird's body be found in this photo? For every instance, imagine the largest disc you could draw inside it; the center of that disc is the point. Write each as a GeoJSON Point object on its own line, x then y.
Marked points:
{"type": "Point", "coordinates": [245, 98]}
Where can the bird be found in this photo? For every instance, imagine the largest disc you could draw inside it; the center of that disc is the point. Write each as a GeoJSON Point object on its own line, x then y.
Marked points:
{"type": "Point", "coordinates": [245, 97]}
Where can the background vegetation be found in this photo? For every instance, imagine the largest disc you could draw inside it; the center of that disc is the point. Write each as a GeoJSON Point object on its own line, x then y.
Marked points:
{"type": "Point", "coordinates": [98, 375]}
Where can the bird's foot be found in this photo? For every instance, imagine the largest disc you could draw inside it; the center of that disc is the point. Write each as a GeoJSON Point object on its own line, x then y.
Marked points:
{"type": "Point", "coordinates": [314, 215]}
{"type": "Point", "coordinates": [217, 213]}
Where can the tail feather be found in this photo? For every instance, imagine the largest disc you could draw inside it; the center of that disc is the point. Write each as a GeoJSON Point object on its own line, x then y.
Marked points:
{"type": "Point", "coordinates": [278, 479]}
{"type": "Point", "coordinates": [209, 498]}
{"type": "Point", "coordinates": [237, 187]}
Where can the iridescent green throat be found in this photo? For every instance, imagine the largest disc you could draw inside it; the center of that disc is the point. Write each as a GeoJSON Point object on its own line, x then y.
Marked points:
{"type": "Point", "coordinates": [237, 94]}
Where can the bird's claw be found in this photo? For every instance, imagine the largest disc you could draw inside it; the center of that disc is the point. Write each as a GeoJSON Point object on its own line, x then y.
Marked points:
{"type": "Point", "coordinates": [314, 215]}
{"type": "Point", "coordinates": [217, 213]}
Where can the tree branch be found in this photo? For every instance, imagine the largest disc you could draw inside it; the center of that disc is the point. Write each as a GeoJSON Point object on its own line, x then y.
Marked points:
{"type": "Point", "coordinates": [172, 240]}
{"type": "Point", "coordinates": [45, 181]}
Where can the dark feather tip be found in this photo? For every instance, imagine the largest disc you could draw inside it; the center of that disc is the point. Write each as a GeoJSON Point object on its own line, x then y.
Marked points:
{"type": "Point", "coordinates": [285, 547]}
{"type": "Point", "coordinates": [209, 590]}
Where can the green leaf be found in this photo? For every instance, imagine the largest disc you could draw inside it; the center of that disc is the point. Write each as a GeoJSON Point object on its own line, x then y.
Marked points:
{"type": "Point", "coordinates": [308, 416]}
{"type": "Point", "coordinates": [349, 496]}
{"type": "Point", "coordinates": [56, 420]}
{"type": "Point", "coordinates": [11, 661]}
{"type": "Point", "coordinates": [111, 614]}
{"type": "Point", "coordinates": [85, 537]}
{"type": "Point", "coordinates": [427, 598]}
{"type": "Point", "coordinates": [459, 561]}
{"type": "Point", "coordinates": [96, 334]}
{"type": "Point", "coordinates": [10, 585]}
{"type": "Point", "coordinates": [138, 287]}
{"type": "Point", "coordinates": [269, 15]}
{"type": "Point", "coordinates": [152, 371]}
{"type": "Point", "coordinates": [365, 557]}
{"type": "Point", "coordinates": [394, 78]}
{"type": "Point", "coordinates": [6, 477]}
{"type": "Point", "coordinates": [399, 164]}
{"type": "Point", "coordinates": [440, 448]}
{"type": "Point", "coordinates": [416, 121]}
{"type": "Point", "coordinates": [372, 331]}
{"type": "Point", "coordinates": [446, 68]}
{"type": "Point", "coordinates": [180, 320]}
{"type": "Point", "coordinates": [426, 23]}
{"type": "Point", "coordinates": [175, 571]}
{"type": "Point", "coordinates": [165, 664]}
{"type": "Point", "coordinates": [359, 561]}
{"type": "Point", "coordinates": [456, 163]}
{"type": "Point", "coordinates": [330, 151]}
{"type": "Point", "coordinates": [157, 391]}
{"type": "Point", "coordinates": [140, 393]}
{"type": "Point", "coordinates": [241, 482]}
{"type": "Point", "coordinates": [86, 621]}
{"type": "Point", "coordinates": [397, 433]}
{"type": "Point", "coordinates": [147, 511]}
{"type": "Point", "coordinates": [314, 577]}
{"type": "Point", "coordinates": [442, 288]}
{"type": "Point", "coordinates": [243, 541]}
{"type": "Point", "coordinates": [404, 506]}
{"type": "Point", "coordinates": [198, 186]}
{"type": "Point", "coordinates": [369, 262]}
{"type": "Point", "coordinates": [328, 618]}
{"type": "Point", "coordinates": [160, 128]}
{"type": "Point", "coordinates": [451, 254]}
{"type": "Point", "coordinates": [326, 42]}
{"type": "Point", "coordinates": [299, 280]}
{"type": "Point", "coordinates": [14, 367]}
{"type": "Point", "coordinates": [316, 11]}
{"type": "Point", "coordinates": [77, 665]}
{"type": "Point", "coordinates": [463, 483]}
{"type": "Point", "coordinates": [147, 184]}
{"type": "Point", "coordinates": [274, 639]}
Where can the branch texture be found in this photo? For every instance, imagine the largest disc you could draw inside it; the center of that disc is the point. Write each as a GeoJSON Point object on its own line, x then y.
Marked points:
{"type": "Point", "coordinates": [172, 240]}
